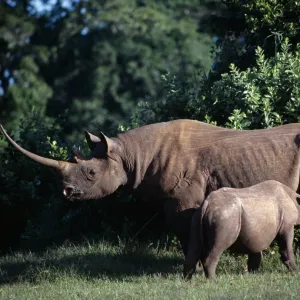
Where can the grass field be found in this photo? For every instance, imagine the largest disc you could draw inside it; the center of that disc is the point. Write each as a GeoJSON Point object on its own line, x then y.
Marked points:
{"type": "Point", "coordinates": [105, 271]}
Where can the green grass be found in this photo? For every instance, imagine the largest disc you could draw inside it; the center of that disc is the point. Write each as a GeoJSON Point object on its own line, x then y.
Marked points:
{"type": "Point", "coordinates": [105, 271]}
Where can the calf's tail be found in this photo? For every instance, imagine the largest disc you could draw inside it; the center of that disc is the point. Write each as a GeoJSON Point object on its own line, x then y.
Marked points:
{"type": "Point", "coordinates": [201, 230]}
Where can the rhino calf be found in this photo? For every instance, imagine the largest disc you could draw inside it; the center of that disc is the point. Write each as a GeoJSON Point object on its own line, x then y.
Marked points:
{"type": "Point", "coordinates": [246, 221]}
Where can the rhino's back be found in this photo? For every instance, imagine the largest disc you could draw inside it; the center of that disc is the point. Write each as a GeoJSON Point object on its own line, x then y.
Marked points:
{"type": "Point", "coordinates": [243, 159]}
{"type": "Point", "coordinates": [180, 156]}
{"type": "Point", "coordinates": [236, 158]}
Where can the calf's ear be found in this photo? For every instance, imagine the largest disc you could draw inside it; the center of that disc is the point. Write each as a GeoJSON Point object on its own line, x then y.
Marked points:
{"type": "Point", "coordinates": [99, 145]}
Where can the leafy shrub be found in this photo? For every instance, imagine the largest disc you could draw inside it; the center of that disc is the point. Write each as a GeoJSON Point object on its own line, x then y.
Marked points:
{"type": "Point", "coordinates": [32, 205]}
{"type": "Point", "coordinates": [29, 191]}
{"type": "Point", "coordinates": [265, 17]}
{"type": "Point", "coordinates": [266, 95]}
{"type": "Point", "coordinates": [262, 96]}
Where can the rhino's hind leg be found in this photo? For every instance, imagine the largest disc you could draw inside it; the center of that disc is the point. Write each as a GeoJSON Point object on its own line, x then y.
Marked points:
{"type": "Point", "coordinates": [285, 242]}
{"type": "Point", "coordinates": [254, 260]}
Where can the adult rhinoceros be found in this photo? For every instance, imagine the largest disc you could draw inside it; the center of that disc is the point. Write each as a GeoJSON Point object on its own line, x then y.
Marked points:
{"type": "Point", "coordinates": [180, 162]}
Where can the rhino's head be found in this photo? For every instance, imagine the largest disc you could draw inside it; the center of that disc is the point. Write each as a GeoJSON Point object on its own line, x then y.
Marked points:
{"type": "Point", "coordinates": [91, 178]}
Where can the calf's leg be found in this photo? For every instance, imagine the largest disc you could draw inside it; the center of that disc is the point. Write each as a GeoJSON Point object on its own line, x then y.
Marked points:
{"type": "Point", "coordinates": [215, 245]}
{"type": "Point", "coordinates": [210, 262]}
{"type": "Point", "coordinates": [219, 236]}
{"type": "Point", "coordinates": [285, 241]}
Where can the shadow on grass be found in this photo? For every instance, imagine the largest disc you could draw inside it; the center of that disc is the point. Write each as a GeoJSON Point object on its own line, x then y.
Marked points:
{"type": "Point", "coordinates": [89, 266]}
{"type": "Point", "coordinates": [104, 261]}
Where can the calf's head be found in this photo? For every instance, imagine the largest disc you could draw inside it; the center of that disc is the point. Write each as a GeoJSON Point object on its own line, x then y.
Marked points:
{"type": "Point", "coordinates": [87, 178]}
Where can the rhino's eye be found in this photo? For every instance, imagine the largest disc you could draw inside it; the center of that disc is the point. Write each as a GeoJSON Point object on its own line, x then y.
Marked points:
{"type": "Point", "coordinates": [92, 173]}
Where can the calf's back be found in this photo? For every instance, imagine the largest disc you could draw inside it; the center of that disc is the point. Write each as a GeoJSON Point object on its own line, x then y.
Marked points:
{"type": "Point", "coordinates": [254, 216]}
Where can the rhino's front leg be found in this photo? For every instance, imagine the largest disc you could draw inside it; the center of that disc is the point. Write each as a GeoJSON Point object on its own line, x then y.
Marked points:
{"type": "Point", "coordinates": [285, 241]}
{"type": "Point", "coordinates": [179, 222]}
{"type": "Point", "coordinates": [179, 209]}
{"type": "Point", "coordinates": [194, 248]}
{"type": "Point", "coordinates": [190, 264]}
{"type": "Point", "coordinates": [254, 260]}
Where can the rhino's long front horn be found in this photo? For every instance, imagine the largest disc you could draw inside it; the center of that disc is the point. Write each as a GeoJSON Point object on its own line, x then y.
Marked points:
{"type": "Point", "coordinates": [45, 161]}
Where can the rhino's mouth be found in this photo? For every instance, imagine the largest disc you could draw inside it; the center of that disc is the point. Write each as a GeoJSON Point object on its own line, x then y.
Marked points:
{"type": "Point", "coordinates": [75, 196]}
{"type": "Point", "coordinates": [72, 193]}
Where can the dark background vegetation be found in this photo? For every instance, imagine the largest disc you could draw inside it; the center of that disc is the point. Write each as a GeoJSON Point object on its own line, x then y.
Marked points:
{"type": "Point", "coordinates": [116, 65]}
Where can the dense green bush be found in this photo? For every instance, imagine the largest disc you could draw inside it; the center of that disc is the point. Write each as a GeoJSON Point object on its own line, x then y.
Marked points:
{"type": "Point", "coordinates": [263, 96]}
{"type": "Point", "coordinates": [239, 27]}
{"type": "Point", "coordinates": [29, 193]}
{"type": "Point", "coordinates": [33, 208]}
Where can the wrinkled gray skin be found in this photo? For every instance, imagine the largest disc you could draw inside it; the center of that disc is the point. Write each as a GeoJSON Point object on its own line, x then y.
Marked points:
{"type": "Point", "coordinates": [177, 164]}
{"type": "Point", "coordinates": [246, 221]}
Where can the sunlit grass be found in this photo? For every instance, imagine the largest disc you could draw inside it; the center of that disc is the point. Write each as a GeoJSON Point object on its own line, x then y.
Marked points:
{"type": "Point", "coordinates": [105, 271]}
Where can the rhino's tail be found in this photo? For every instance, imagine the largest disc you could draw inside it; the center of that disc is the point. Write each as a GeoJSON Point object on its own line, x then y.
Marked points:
{"type": "Point", "coordinates": [203, 209]}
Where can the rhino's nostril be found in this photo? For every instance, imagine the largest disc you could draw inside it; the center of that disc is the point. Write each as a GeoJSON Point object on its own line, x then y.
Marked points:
{"type": "Point", "coordinates": [68, 191]}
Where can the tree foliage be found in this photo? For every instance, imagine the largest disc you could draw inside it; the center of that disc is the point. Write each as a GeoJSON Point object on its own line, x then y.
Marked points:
{"type": "Point", "coordinates": [263, 96]}
{"type": "Point", "coordinates": [94, 59]}
{"type": "Point", "coordinates": [242, 26]}
{"type": "Point", "coordinates": [21, 86]}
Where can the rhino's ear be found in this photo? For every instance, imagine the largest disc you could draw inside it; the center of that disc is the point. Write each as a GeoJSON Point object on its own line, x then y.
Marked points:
{"type": "Point", "coordinates": [99, 145]}
{"type": "Point", "coordinates": [92, 140]}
